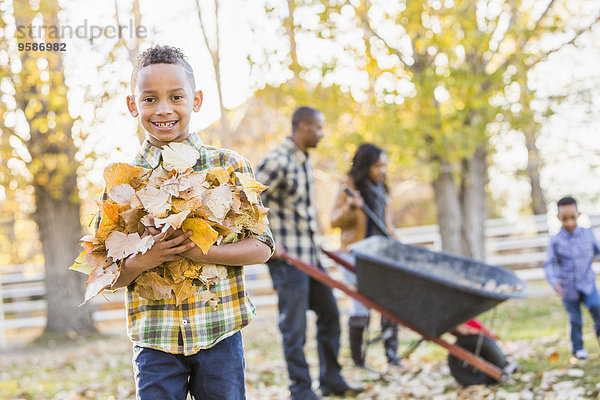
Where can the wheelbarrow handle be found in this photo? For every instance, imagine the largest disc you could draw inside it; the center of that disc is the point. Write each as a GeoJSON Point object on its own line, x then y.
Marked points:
{"type": "Point", "coordinates": [465, 355]}
{"type": "Point", "coordinates": [340, 260]}
{"type": "Point", "coordinates": [370, 214]}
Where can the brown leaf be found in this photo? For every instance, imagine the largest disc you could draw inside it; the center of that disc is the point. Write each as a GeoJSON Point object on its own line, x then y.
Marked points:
{"type": "Point", "coordinates": [152, 286]}
{"type": "Point", "coordinates": [97, 259]}
{"type": "Point", "coordinates": [131, 219]}
{"type": "Point", "coordinates": [183, 290]}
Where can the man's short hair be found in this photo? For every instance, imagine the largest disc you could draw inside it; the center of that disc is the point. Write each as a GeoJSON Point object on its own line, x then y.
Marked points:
{"type": "Point", "coordinates": [567, 201]}
{"type": "Point", "coordinates": [303, 114]}
{"type": "Point", "coordinates": [162, 55]}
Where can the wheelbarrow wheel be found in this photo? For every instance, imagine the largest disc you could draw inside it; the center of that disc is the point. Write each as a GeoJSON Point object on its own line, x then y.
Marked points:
{"type": "Point", "coordinates": [463, 372]}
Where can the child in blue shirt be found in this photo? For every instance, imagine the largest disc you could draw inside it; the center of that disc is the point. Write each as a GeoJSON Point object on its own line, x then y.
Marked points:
{"type": "Point", "coordinates": [569, 271]}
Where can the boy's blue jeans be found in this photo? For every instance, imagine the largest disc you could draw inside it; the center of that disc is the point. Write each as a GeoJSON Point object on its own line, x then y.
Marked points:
{"type": "Point", "coordinates": [216, 373]}
{"type": "Point", "coordinates": [573, 307]}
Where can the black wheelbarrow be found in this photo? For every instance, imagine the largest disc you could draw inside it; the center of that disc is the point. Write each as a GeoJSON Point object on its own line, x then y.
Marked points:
{"type": "Point", "coordinates": [431, 293]}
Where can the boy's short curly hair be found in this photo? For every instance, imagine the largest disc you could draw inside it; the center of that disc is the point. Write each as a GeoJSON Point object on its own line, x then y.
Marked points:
{"type": "Point", "coordinates": [162, 55]}
{"type": "Point", "coordinates": [566, 201]}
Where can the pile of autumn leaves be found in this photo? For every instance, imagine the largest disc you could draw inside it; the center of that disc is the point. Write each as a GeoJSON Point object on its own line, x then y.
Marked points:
{"type": "Point", "coordinates": [218, 205]}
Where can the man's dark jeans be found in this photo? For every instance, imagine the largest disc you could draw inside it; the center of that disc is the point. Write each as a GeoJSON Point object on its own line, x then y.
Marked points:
{"type": "Point", "coordinates": [573, 307]}
{"type": "Point", "coordinates": [214, 373]}
{"type": "Point", "coordinates": [297, 293]}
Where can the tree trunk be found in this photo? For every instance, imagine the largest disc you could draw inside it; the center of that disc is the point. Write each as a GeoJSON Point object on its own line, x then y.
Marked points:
{"type": "Point", "coordinates": [448, 210]}
{"type": "Point", "coordinates": [473, 204]}
{"type": "Point", "coordinates": [538, 202]}
{"type": "Point", "coordinates": [54, 174]}
{"type": "Point", "coordinates": [60, 230]}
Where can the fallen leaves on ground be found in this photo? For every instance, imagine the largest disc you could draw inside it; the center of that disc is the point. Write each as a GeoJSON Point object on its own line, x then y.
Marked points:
{"type": "Point", "coordinates": [65, 373]}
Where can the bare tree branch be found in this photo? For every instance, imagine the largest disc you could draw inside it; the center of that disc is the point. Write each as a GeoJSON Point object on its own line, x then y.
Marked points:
{"type": "Point", "coordinates": [214, 55]}
{"type": "Point", "coordinates": [567, 43]}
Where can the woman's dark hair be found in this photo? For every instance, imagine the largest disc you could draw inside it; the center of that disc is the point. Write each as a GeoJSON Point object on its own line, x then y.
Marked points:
{"type": "Point", "coordinates": [366, 155]}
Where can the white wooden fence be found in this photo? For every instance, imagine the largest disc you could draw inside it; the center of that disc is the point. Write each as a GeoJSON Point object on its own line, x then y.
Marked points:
{"type": "Point", "coordinates": [519, 245]}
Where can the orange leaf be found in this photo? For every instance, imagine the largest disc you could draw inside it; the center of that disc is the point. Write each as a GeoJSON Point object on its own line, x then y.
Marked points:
{"type": "Point", "coordinates": [119, 173]}
{"type": "Point", "coordinates": [202, 233]}
{"type": "Point", "coordinates": [112, 211]}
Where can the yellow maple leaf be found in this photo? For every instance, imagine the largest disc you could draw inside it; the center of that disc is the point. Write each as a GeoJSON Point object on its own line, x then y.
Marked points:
{"type": "Point", "coordinates": [178, 268]}
{"type": "Point", "coordinates": [217, 176]}
{"type": "Point", "coordinates": [202, 233]}
{"type": "Point", "coordinates": [80, 265]}
{"type": "Point", "coordinates": [210, 298]}
{"type": "Point", "coordinates": [119, 173]}
{"type": "Point", "coordinates": [194, 204]}
{"type": "Point", "coordinates": [252, 188]}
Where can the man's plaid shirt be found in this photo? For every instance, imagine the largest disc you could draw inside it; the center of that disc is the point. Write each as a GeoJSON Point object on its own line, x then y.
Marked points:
{"type": "Point", "coordinates": [192, 326]}
{"type": "Point", "coordinates": [288, 173]}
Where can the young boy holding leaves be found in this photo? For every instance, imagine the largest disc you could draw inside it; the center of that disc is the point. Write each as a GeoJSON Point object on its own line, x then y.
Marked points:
{"type": "Point", "coordinates": [569, 271]}
{"type": "Point", "coordinates": [189, 347]}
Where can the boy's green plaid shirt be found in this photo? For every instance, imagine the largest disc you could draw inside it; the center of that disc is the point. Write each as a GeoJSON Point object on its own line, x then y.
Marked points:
{"type": "Point", "coordinates": [192, 326]}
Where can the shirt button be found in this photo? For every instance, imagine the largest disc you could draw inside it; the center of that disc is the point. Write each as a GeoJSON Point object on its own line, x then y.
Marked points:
{"type": "Point", "coordinates": [184, 322]}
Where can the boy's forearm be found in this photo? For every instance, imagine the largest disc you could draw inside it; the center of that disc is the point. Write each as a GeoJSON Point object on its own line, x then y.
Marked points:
{"type": "Point", "coordinates": [130, 270]}
{"type": "Point", "coordinates": [247, 251]}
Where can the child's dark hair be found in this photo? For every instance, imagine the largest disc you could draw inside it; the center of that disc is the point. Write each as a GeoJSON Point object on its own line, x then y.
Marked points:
{"type": "Point", "coordinates": [162, 55]}
{"type": "Point", "coordinates": [566, 201]}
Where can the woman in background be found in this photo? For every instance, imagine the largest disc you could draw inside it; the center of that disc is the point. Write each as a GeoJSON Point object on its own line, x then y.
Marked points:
{"type": "Point", "coordinates": [367, 185]}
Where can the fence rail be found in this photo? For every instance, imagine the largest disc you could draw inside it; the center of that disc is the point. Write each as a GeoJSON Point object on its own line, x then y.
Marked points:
{"type": "Point", "coordinates": [520, 246]}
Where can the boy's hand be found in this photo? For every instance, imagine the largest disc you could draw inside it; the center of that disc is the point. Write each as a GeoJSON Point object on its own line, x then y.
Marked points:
{"type": "Point", "coordinates": [558, 288]}
{"type": "Point", "coordinates": [165, 248]}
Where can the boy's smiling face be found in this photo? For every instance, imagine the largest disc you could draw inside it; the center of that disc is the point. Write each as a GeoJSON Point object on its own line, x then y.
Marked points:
{"type": "Point", "coordinates": [164, 100]}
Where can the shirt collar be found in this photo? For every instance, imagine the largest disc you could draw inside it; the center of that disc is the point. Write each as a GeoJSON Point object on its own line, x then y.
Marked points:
{"type": "Point", "coordinates": [576, 232]}
{"type": "Point", "coordinates": [294, 150]}
{"type": "Point", "coordinates": [152, 154]}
